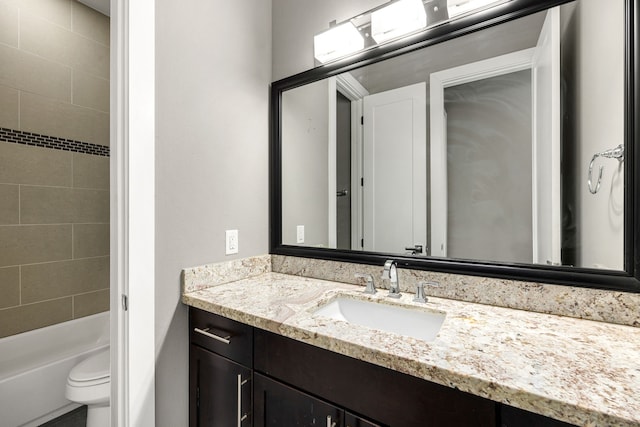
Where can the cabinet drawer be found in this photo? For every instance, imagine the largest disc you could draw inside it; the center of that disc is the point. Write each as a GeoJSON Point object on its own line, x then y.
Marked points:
{"type": "Point", "coordinates": [226, 337]}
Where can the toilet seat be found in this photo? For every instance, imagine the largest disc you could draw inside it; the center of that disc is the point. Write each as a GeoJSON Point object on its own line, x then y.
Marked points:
{"type": "Point", "coordinates": [89, 382]}
{"type": "Point", "coordinates": [92, 371]}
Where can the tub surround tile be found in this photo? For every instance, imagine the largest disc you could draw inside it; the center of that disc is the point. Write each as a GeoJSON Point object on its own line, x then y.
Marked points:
{"type": "Point", "coordinates": [51, 205]}
{"type": "Point", "coordinates": [9, 29]}
{"type": "Point", "coordinates": [90, 91]}
{"type": "Point", "coordinates": [22, 164]}
{"type": "Point", "coordinates": [9, 106]}
{"type": "Point", "coordinates": [58, 44]}
{"type": "Point", "coordinates": [90, 23]}
{"type": "Point", "coordinates": [33, 316]}
{"type": "Point", "coordinates": [578, 371]}
{"type": "Point", "coordinates": [224, 272]}
{"type": "Point", "coordinates": [90, 303]}
{"type": "Point", "coordinates": [90, 171]}
{"type": "Point", "coordinates": [63, 278]}
{"type": "Point", "coordinates": [591, 304]}
{"type": "Point", "coordinates": [90, 240]}
{"type": "Point", "coordinates": [28, 244]}
{"type": "Point", "coordinates": [55, 11]}
{"type": "Point", "coordinates": [9, 204]}
{"type": "Point", "coordinates": [9, 287]}
{"type": "Point", "coordinates": [63, 120]}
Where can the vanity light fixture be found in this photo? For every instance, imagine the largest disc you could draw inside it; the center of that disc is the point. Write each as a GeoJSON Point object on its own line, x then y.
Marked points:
{"type": "Point", "coordinates": [461, 7]}
{"type": "Point", "coordinates": [398, 19]}
{"type": "Point", "coordinates": [391, 21]}
{"type": "Point", "coordinates": [341, 40]}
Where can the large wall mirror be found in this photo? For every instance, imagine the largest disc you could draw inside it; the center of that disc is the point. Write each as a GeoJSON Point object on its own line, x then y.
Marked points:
{"type": "Point", "coordinates": [501, 144]}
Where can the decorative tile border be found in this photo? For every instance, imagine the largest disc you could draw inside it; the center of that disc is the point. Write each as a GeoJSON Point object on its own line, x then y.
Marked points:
{"type": "Point", "coordinates": [55, 143]}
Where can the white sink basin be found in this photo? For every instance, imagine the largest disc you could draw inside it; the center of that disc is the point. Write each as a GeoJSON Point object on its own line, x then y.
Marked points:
{"type": "Point", "coordinates": [416, 323]}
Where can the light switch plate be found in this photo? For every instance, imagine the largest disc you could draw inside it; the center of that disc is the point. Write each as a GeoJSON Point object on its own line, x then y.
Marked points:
{"type": "Point", "coordinates": [300, 234]}
{"type": "Point", "coordinates": [231, 238]}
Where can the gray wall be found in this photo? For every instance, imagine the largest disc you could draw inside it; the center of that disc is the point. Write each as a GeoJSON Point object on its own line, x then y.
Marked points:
{"type": "Point", "coordinates": [54, 204]}
{"type": "Point", "coordinates": [489, 169]}
{"type": "Point", "coordinates": [213, 68]}
{"type": "Point", "coordinates": [593, 81]}
{"type": "Point", "coordinates": [305, 135]}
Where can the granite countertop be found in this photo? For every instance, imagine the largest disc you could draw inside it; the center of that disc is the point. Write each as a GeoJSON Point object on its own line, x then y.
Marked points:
{"type": "Point", "coordinates": [580, 371]}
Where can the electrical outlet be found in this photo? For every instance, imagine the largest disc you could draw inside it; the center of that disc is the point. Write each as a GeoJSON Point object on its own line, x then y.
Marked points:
{"type": "Point", "coordinates": [300, 234]}
{"type": "Point", "coordinates": [231, 237]}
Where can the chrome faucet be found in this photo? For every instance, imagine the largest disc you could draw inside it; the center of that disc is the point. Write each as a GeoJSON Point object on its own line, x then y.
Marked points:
{"type": "Point", "coordinates": [391, 274]}
{"type": "Point", "coordinates": [371, 288]}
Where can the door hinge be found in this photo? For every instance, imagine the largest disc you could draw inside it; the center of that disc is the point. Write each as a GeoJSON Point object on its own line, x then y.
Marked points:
{"type": "Point", "coordinates": [361, 182]}
{"type": "Point", "coordinates": [362, 120]}
{"type": "Point", "coordinates": [362, 243]}
{"type": "Point", "coordinates": [125, 302]}
{"type": "Point", "coordinates": [197, 397]}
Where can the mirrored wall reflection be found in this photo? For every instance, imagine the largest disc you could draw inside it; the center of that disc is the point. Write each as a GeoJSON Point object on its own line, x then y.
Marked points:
{"type": "Point", "coordinates": [476, 148]}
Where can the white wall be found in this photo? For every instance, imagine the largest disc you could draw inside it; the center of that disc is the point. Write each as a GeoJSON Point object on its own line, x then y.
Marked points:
{"type": "Point", "coordinates": [305, 174]}
{"type": "Point", "coordinates": [213, 69]}
{"type": "Point", "coordinates": [295, 22]}
{"type": "Point", "coordinates": [593, 67]}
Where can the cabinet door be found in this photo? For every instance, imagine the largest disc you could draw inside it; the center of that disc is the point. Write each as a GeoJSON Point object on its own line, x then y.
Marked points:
{"type": "Point", "coordinates": [278, 405]}
{"type": "Point", "coordinates": [220, 391]}
{"type": "Point", "coordinates": [351, 420]}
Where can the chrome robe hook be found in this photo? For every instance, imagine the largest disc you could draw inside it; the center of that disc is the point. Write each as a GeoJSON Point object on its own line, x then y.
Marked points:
{"type": "Point", "coordinates": [613, 153]}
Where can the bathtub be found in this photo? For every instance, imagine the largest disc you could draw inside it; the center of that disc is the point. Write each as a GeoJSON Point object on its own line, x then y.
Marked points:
{"type": "Point", "coordinates": [34, 366]}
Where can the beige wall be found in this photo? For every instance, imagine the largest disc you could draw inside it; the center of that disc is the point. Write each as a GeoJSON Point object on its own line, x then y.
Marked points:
{"type": "Point", "coordinates": [54, 204]}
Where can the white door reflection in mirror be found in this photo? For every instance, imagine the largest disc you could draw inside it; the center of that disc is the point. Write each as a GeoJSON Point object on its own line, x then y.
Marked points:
{"type": "Point", "coordinates": [395, 169]}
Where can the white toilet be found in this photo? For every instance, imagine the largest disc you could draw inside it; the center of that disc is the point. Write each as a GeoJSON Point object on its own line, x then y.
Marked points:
{"type": "Point", "coordinates": [89, 383]}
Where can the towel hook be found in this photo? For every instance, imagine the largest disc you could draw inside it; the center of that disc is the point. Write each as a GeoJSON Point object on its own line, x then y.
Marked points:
{"type": "Point", "coordinates": [613, 153]}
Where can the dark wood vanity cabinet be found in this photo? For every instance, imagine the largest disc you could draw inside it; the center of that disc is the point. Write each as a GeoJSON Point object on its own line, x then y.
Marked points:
{"type": "Point", "coordinates": [220, 371]}
{"type": "Point", "coordinates": [263, 379]}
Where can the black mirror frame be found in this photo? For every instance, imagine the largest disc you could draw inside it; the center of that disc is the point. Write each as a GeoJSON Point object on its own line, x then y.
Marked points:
{"type": "Point", "coordinates": [627, 280]}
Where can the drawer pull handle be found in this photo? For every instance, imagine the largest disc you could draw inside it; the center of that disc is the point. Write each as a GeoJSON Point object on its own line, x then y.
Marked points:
{"type": "Point", "coordinates": [330, 422]}
{"type": "Point", "coordinates": [241, 417]}
{"type": "Point", "coordinates": [206, 333]}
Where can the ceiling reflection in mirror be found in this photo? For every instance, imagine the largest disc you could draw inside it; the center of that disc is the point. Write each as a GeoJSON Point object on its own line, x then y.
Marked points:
{"type": "Point", "coordinates": [485, 147]}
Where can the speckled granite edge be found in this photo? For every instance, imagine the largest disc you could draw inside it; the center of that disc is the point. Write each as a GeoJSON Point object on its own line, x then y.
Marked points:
{"type": "Point", "coordinates": [583, 303]}
{"type": "Point", "coordinates": [205, 276]}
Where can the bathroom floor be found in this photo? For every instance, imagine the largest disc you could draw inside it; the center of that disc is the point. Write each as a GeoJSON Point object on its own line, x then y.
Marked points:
{"type": "Point", "coordinates": [75, 418]}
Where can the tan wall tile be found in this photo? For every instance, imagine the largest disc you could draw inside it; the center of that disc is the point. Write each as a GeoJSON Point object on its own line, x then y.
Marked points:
{"type": "Point", "coordinates": [90, 91]}
{"type": "Point", "coordinates": [51, 117]}
{"type": "Point", "coordinates": [25, 71]}
{"type": "Point", "coordinates": [90, 240]}
{"type": "Point", "coordinates": [22, 164]}
{"type": "Point", "coordinates": [58, 279]}
{"type": "Point", "coordinates": [26, 244]}
{"type": "Point", "coordinates": [90, 23]}
{"type": "Point", "coordinates": [91, 303]}
{"type": "Point", "coordinates": [54, 205]}
{"type": "Point", "coordinates": [9, 108]}
{"type": "Point", "coordinates": [9, 287]}
{"type": "Point", "coordinates": [9, 23]}
{"type": "Point", "coordinates": [66, 47]}
{"type": "Point", "coordinates": [56, 11]}
{"type": "Point", "coordinates": [90, 171]}
{"type": "Point", "coordinates": [33, 316]}
{"type": "Point", "coordinates": [9, 204]}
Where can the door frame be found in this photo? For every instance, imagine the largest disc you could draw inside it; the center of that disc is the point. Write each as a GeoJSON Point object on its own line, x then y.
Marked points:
{"type": "Point", "coordinates": [439, 81]}
{"type": "Point", "coordinates": [351, 88]}
{"type": "Point", "coordinates": [132, 212]}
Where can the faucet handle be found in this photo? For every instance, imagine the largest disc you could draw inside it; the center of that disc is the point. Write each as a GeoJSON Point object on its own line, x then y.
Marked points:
{"type": "Point", "coordinates": [370, 289]}
{"type": "Point", "coordinates": [420, 297]}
